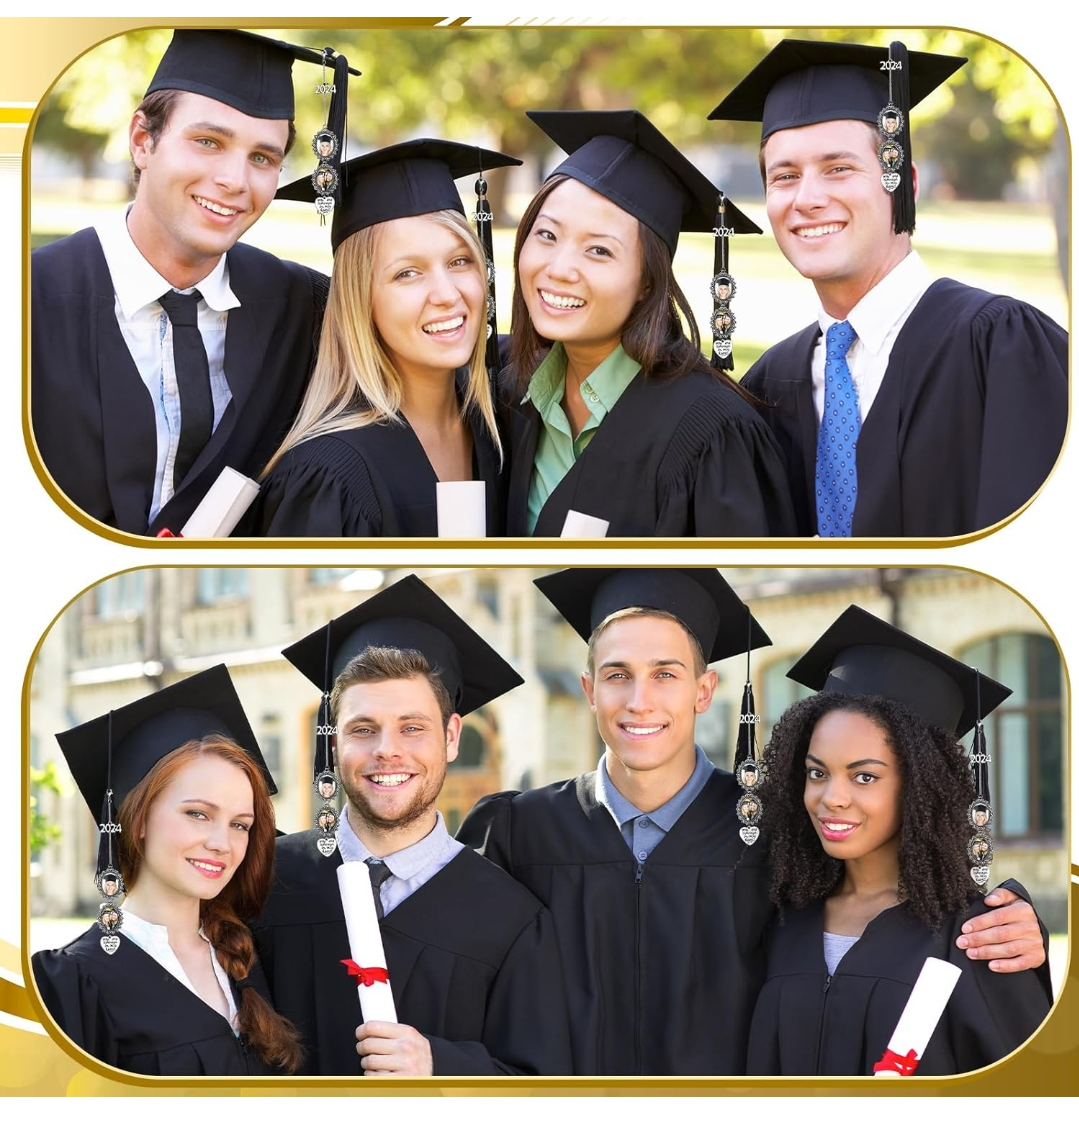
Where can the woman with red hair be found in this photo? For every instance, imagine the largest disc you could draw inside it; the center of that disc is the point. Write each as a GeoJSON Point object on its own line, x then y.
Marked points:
{"type": "Point", "coordinates": [166, 981]}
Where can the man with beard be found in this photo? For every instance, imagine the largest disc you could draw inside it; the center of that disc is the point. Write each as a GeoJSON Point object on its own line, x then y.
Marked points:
{"type": "Point", "coordinates": [471, 956]}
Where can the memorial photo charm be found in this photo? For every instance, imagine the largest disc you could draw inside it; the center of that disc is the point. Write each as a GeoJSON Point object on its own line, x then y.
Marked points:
{"type": "Point", "coordinates": [980, 813]}
{"type": "Point", "coordinates": [324, 205]}
{"type": "Point", "coordinates": [326, 786]}
{"type": "Point", "coordinates": [980, 849]}
{"type": "Point", "coordinates": [327, 845]}
{"type": "Point", "coordinates": [724, 288]}
{"type": "Point", "coordinates": [110, 943]}
{"type": "Point", "coordinates": [980, 874]}
{"type": "Point", "coordinates": [326, 819]}
{"type": "Point", "coordinates": [890, 120]}
{"type": "Point", "coordinates": [748, 809]}
{"type": "Point", "coordinates": [749, 834]}
{"type": "Point", "coordinates": [324, 179]}
{"type": "Point", "coordinates": [324, 144]}
{"type": "Point", "coordinates": [109, 918]}
{"type": "Point", "coordinates": [110, 883]}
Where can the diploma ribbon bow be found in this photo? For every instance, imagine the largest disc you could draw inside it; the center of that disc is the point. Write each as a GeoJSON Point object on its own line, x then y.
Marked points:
{"type": "Point", "coordinates": [900, 1064]}
{"type": "Point", "coordinates": [366, 976]}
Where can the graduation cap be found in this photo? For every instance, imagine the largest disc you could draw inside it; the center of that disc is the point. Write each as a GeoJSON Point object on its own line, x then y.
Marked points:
{"type": "Point", "coordinates": [248, 72]}
{"type": "Point", "coordinates": [127, 742]}
{"type": "Point", "coordinates": [802, 82]}
{"type": "Point", "coordinates": [409, 615]}
{"type": "Point", "coordinates": [865, 656]}
{"type": "Point", "coordinates": [397, 182]}
{"type": "Point", "coordinates": [625, 158]}
{"type": "Point", "coordinates": [700, 598]}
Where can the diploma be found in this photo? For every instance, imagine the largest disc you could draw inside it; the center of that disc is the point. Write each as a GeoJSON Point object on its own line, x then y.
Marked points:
{"type": "Point", "coordinates": [580, 525]}
{"type": "Point", "coordinates": [225, 504]}
{"type": "Point", "coordinates": [462, 509]}
{"type": "Point", "coordinates": [919, 1020]}
{"type": "Point", "coordinates": [368, 963]}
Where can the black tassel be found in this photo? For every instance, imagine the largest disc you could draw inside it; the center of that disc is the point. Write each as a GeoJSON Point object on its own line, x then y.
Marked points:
{"type": "Point", "coordinates": [903, 196]}
{"type": "Point", "coordinates": [719, 267]}
{"type": "Point", "coordinates": [104, 840]}
{"type": "Point", "coordinates": [484, 221]}
{"type": "Point", "coordinates": [337, 117]}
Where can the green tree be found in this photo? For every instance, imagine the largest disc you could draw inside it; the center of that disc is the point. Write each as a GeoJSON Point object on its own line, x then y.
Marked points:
{"type": "Point", "coordinates": [42, 831]}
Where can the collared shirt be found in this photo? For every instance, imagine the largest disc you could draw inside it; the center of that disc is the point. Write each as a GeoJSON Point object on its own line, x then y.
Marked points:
{"type": "Point", "coordinates": [877, 320]}
{"type": "Point", "coordinates": [410, 868]}
{"type": "Point", "coordinates": [148, 335]}
{"type": "Point", "coordinates": [557, 448]}
{"type": "Point", "coordinates": [642, 831]}
{"type": "Point", "coordinates": [153, 939]}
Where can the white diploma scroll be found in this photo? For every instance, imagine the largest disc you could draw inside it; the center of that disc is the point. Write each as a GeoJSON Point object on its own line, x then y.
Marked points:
{"type": "Point", "coordinates": [365, 939]}
{"type": "Point", "coordinates": [225, 504]}
{"type": "Point", "coordinates": [580, 525]}
{"type": "Point", "coordinates": [462, 509]}
{"type": "Point", "coordinates": [920, 1017]}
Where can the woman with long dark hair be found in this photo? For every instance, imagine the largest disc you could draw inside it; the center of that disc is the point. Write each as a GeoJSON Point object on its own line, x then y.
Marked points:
{"type": "Point", "coordinates": [166, 981]}
{"type": "Point", "coordinates": [400, 398]}
{"type": "Point", "coordinates": [879, 851]}
{"type": "Point", "coordinates": [616, 413]}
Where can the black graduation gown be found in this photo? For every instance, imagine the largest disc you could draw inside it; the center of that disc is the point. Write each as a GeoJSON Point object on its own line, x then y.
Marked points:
{"type": "Point", "coordinates": [687, 458]}
{"type": "Point", "coordinates": [810, 1023]}
{"type": "Point", "coordinates": [93, 417]}
{"type": "Point", "coordinates": [373, 481]}
{"type": "Point", "coordinates": [966, 426]}
{"type": "Point", "coordinates": [471, 957]}
{"type": "Point", "coordinates": [129, 1012]}
{"type": "Point", "coordinates": [662, 961]}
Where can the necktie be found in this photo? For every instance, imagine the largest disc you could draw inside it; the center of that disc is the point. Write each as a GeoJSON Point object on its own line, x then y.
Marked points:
{"type": "Point", "coordinates": [192, 377]}
{"type": "Point", "coordinates": [837, 472]}
{"type": "Point", "coordinates": [379, 872]}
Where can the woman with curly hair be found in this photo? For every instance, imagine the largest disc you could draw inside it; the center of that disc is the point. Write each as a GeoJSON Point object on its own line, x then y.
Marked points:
{"type": "Point", "coordinates": [166, 982]}
{"type": "Point", "coordinates": [615, 413]}
{"type": "Point", "coordinates": [868, 805]}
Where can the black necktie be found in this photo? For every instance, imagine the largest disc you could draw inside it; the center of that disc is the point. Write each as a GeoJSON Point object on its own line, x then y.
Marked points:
{"type": "Point", "coordinates": [192, 378]}
{"type": "Point", "coordinates": [379, 872]}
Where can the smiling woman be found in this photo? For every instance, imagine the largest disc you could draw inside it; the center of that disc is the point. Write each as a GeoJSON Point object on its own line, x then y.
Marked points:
{"type": "Point", "coordinates": [400, 399]}
{"type": "Point", "coordinates": [167, 982]}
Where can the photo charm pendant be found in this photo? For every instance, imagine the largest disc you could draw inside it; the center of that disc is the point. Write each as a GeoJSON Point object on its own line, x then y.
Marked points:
{"type": "Point", "coordinates": [324, 180]}
{"type": "Point", "coordinates": [890, 120]}
{"type": "Point", "coordinates": [980, 850]}
{"type": "Point", "coordinates": [724, 288]}
{"type": "Point", "coordinates": [110, 883]}
{"type": "Point", "coordinates": [110, 920]}
{"type": "Point", "coordinates": [980, 814]}
{"type": "Point", "coordinates": [324, 144]}
{"type": "Point", "coordinates": [723, 326]}
{"type": "Point", "coordinates": [324, 205]}
{"type": "Point", "coordinates": [326, 786]}
{"type": "Point", "coordinates": [750, 776]}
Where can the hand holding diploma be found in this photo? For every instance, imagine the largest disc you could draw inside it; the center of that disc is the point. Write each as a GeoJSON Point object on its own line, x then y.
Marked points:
{"type": "Point", "coordinates": [919, 1020]}
{"type": "Point", "coordinates": [225, 503]}
{"type": "Point", "coordinates": [368, 963]}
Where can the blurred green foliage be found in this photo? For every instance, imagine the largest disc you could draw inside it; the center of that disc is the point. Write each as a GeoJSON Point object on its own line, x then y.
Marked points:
{"type": "Point", "coordinates": [42, 831]}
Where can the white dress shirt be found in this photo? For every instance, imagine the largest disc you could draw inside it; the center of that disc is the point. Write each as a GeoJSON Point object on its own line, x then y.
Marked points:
{"type": "Point", "coordinates": [148, 335]}
{"type": "Point", "coordinates": [877, 320]}
{"type": "Point", "coordinates": [153, 939]}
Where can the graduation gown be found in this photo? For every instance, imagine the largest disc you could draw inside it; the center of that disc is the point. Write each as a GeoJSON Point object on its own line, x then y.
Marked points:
{"type": "Point", "coordinates": [685, 458]}
{"type": "Point", "coordinates": [471, 958]}
{"type": "Point", "coordinates": [662, 960]}
{"type": "Point", "coordinates": [129, 1012]}
{"type": "Point", "coordinates": [93, 418]}
{"type": "Point", "coordinates": [966, 426]}
{"type": "Point", "coordinates": [810, 1023]}
{"type": "Point", "coordinates": [372, 481]}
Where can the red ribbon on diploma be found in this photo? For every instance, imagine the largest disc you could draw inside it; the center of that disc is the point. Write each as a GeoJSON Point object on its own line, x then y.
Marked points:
{"type": "Point", "coordinates": [167, 533]}
{"type": "Point", "coordinates": [900, 1064]}
{"type": "Point", "coordinates": [367, 976]}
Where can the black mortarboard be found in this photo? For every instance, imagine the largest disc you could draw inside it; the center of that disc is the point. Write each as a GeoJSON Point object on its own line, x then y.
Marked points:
{"type": "Point", "coordinates": [862, 655]}
{"type": "Point", "coordinates": [248, 72]}
{"type": "Point", "coordinates": [406, 179]}
{"type": "Point", "coordinates": [409, 615]}
{"type": "Point", "coordinates": [148, 729]}
{"type": "Point", "coordinates": [621, 155]}
{"type": "Point", "coordinates": [802, 82]}
{"type": "Point", "coordinates": [700, 598]}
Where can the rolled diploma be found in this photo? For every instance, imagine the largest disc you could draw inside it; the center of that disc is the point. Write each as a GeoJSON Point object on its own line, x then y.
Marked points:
{"type": "Point", "coordinates": [928, 999]}
{"type": "Point", "coordinates": [462, 509]}
{"type": "Point", "coordinates": [365, 938]}
{"type": "Point", "coordinates": [580, 525]}
{"type": "Point", "coordinates": [224, 505]}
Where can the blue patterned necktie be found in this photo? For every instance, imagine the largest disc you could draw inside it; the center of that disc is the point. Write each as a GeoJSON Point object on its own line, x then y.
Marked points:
{"type": "Point", "coordinates": [837, 471]}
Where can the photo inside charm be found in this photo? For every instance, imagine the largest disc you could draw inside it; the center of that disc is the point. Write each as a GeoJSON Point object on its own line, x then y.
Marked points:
{"type": "Point", "coordinates": [326, 818]}
{"type": "Point", "coordinates": [109, 882]}
{"type": "Point", "coordinates": [890, 122]}
{"type": "Point", "coordinates": [325, 146]}
{"type": "Point", "coordinates": [750, 776]}
{"type": "Point", "coordinates": [980, 810]}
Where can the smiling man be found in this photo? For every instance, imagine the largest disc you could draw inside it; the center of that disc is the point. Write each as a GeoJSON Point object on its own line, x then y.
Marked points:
{"type": "Point", "coordinates": [162, 349]}
{"type": "Point", "coordinates": [914, 406]}
{"type": "Point", "coordinates": [659, 907]}
{"type": "Point", "coordinates": [472, 962]}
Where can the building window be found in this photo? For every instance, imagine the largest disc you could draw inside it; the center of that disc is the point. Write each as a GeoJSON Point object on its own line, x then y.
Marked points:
{"type": "Point", "coordinates": [122, 596]}
{"type": "Point", "coordinates": [327, 575]}
{"type": "Point", "coordinates": [778, 693]}
{"type": "Point", "coordinates": [1025, 734]}
{"type": "Point", "coordinates": [222, 584]}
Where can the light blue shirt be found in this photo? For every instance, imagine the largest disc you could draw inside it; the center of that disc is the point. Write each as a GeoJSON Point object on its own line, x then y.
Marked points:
{"type": "Point", "coordinates": [147, 334]}
{"type": "Point", "coordinates": [642, 831]}
{"type": "Point", "coordinates": [410, 868]}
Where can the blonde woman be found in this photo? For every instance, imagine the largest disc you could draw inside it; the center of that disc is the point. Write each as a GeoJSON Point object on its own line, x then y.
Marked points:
{"type": "Point", "coordinates": [400, 398]}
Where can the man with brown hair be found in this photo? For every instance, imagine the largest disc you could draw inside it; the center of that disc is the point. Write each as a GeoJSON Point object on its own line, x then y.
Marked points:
{"type": "Point", "coordinates": [471, 957]}
{"type": "Point", "coordinates": [162, 349]}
